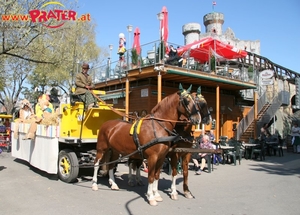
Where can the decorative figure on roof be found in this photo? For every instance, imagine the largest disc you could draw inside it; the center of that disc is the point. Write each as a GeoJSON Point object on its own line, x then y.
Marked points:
{"type": "Point", "coordinates": [122, 46]}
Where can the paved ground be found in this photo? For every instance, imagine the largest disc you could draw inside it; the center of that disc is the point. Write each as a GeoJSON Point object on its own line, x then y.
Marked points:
{"type": "Point", "coordinates": [254, 187]}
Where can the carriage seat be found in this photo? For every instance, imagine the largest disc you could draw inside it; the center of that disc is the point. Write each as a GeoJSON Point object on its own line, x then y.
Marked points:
{"type": "Point", "coordinates": [74, 98]}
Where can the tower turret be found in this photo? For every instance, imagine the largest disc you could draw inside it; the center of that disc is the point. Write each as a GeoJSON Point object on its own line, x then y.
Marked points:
{"type": "Point", "coordinates": [191, 32]}
{"type": "Point", "coordinates": [213, 22]}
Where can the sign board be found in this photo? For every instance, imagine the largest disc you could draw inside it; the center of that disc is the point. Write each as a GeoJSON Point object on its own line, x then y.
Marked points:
{"type": "Point", "coordinates": [267, 81]}
{"type": "Point", "coordinates": [265, 74]}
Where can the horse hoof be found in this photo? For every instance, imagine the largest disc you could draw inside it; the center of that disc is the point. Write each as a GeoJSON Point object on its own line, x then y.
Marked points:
{"type": "Point", "coordinates": [153, 203]}
{"type": "Point", "coordinates": [114, 187]}
{"type": "Point", "coordinates": [174, 196]}
{"type": "Point", "coordinates": [188, 195]}
{"type": "Point", "coordinates": [95, 187]}
{"type": "Point", "coordinates": [158, 199]}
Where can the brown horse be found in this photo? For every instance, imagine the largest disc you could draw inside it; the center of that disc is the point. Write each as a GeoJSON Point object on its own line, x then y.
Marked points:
{"type": "Point", "coordinates": [152, 140]}
{"type": "Point", "coordinates": [185, 130]}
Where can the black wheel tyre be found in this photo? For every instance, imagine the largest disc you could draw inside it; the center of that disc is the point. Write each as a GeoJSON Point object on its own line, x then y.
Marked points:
{"type": "Point", "coordinates": [68, 168]}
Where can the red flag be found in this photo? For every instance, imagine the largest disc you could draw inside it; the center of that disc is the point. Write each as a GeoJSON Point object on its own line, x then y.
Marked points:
{"type": "Point", "coordinates": [165, 28]}
{"type": "Point", "coordinates": [136, 41]}
{"type": "Point", "coordinates": [214, 3]}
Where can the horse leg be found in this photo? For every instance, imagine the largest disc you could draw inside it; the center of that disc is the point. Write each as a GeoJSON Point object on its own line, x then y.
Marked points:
{"type": "Point", "coordinates": [111, 180]}
{"type": "Point", "coordinates": [95, 176]}
{"type": "Point", "coordinates": [151, 170]}
{"type": "Point", "coordinates": [130, 177]}
{"type": "Point", "coordinates": [138, 177]}
{"type": "Point", "coordinates": [158, 167]}
{"type": "Point", "coordinates": [174, 160]}
{"type": "Point", "coordinates": [134, 165]}
{"type": "Point", "coordinates": [156, 194]}
{"type": "Point", "coordinates": [150, 195]}
{"type": "Point", "coordinates": [138, 173]}
{"type": "Point", "coordinates": [185, 167]}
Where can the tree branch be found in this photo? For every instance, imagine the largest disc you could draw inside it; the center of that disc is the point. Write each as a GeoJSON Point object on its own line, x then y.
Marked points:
{"type": "Point", "coordinates": [27, 59]}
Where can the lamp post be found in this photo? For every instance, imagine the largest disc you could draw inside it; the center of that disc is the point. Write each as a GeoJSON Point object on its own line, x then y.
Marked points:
{"type": "Point", "coordinates": [129, 29]}
{"type": "Point", "coordinates": [254, 73]}
{"type": "Point", "coordinates": [77, 71]}
{"type": "Point", "coordinates": [110, 46]}
{"type": "Point", "coordinates": [160, 17]}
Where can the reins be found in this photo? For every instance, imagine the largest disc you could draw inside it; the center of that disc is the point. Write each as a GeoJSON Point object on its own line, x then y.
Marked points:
{"type": "Point", "coordinates": [148, 117]}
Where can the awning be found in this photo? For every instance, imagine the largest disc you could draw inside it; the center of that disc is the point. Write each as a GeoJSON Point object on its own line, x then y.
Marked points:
{"type": "Point", "coordinates": [202, 50]}
{"type": "Point", "coordinates": [213, 80]}
{"type": "Point", "coordinates": [113, 96]}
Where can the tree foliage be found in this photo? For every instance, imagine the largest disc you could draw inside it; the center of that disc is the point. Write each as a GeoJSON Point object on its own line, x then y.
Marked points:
{"type": "Point", "coordinates": [33, 56]}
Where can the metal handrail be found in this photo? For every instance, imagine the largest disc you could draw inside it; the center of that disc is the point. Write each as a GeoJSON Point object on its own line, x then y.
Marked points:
{"type": "Point", "coordinates": [271, 111]}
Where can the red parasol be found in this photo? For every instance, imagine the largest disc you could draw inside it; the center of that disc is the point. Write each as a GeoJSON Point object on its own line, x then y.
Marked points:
{"type": "Point", "coordinates": [164, 27]}
{"type": "Point", "coordinates": [136, 41]}
{"type": "Point", "coordinates": [203, 49]}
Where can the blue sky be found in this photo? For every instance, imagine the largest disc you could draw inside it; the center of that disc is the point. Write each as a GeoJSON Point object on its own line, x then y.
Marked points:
{"type": "Point", "coordinates": [274, 23]}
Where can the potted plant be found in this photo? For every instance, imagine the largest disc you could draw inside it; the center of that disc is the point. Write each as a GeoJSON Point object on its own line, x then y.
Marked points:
{"type": "Point", "coordinates": [250, 72]}
{"type": "Point", "coordinates": [213, 64]}
{"type": "Point", "coordinates": [134, 58]}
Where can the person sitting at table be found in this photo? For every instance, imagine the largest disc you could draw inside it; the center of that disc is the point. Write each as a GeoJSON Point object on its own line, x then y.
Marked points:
{"type": "Point", "coordinates": [211, 135]}
{"type": "Point", "coordinates": [204, 144]}
{"type": "Point", "coordinates": [296, 137]}
{"type": "Point", "coordinates": [264, 132]}
{"type": "Point", "coordinates": [216, 157]}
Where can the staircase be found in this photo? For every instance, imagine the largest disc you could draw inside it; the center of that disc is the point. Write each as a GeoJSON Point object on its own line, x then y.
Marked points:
{"type": "Point", "coordinates": [266, 111]}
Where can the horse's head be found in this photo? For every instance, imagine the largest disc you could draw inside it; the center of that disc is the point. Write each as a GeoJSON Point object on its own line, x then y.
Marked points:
{"type": "Point", "coordinates": [188, 107]}
{"type": "Point", "coordinates": [203, 107]}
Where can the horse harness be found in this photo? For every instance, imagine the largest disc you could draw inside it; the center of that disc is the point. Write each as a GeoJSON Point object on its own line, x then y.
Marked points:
{"type": "Point", "coordinates": [174, 136]}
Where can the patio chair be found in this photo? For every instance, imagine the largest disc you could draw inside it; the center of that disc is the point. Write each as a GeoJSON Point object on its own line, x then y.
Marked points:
{"type": "Point", "coordinates": [248, 150]}
{"type": "Point", "coordinates": [235, 153]}
{"type": "Point", "coordinates": [223, 140]}
{"type": "Point", "coordinates": [260, 150]}
{"type": "Point", "coordinates": [278, 147]}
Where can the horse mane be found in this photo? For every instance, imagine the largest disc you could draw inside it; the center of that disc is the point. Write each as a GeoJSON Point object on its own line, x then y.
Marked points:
{"type": "Point", "coordinates": [166, 102]}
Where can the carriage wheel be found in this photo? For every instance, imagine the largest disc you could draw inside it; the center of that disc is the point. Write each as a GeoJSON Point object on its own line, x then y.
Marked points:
{"type": "Point", "coordinates": [68, 168]}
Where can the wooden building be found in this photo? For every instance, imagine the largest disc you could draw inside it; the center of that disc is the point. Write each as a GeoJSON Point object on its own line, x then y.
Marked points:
{"type": "Point", "coordinates": [141, 88]}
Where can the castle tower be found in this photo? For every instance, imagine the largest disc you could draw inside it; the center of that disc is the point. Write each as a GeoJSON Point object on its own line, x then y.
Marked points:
{"type": "Point", "coordinates": [213, 22]}
{"type": "Point", "coordinates": [191, 32]}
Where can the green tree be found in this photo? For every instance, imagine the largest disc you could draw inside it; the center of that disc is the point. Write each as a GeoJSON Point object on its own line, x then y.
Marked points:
{"type": "Point", "coordinates": [33, 56]}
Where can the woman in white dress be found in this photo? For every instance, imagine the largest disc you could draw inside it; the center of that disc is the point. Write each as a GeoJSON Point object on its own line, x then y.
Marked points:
{"type": "Point", "coordinates": [296, 137]}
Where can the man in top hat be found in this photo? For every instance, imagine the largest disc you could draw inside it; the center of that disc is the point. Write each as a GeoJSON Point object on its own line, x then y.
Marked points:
{"type": "Point", "coordinates": [83, 82]}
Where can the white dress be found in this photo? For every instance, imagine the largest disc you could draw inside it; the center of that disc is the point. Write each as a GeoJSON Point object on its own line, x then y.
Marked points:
{"type": "Point", "coordinates": [295, 133]}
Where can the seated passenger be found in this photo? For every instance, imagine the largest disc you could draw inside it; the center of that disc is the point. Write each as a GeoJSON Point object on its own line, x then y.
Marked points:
{"type": "Point", "coordinates": [205, 144]}
{"type": "Point", "coordinates": [48, 118]}
{"type": "Point", "coordinates": [39, 107]}
{"type": "Point", "coordinates": [6, 123]}
{"type": "Point", "coordinates": [173, 58]}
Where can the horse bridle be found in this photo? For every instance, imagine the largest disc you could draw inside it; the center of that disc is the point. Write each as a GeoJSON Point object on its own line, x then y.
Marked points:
{"type": "Point", "coordinates": [199, 98]}
{"type": "Point", "coordinates": [183, 97]}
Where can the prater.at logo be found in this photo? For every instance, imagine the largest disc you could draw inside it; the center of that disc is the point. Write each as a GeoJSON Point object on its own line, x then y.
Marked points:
{"type": "Point", "coordinates": [51, 18]}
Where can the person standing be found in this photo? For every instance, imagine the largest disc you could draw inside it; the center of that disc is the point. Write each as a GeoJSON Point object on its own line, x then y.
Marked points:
{"type": "Point", "coordinates": [84, 84]}
{"type": "Point", "coordinates": [296, 137]}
